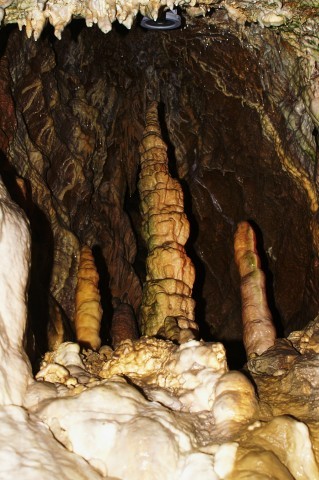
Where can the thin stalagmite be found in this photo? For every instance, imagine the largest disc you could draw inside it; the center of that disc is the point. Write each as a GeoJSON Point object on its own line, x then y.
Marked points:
{"type": "Point", "coordinates": [88, 311]}
{"type": "Point", "coordinates": [167, 306]}
{"type": "Point", "coordinates": [258, 329]}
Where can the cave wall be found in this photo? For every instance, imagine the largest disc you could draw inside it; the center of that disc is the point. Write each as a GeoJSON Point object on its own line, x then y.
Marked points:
{"type": "Point", "coordinates": [74, 113]}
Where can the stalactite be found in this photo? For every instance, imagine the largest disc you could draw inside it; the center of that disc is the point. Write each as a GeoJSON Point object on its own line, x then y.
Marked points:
{"type": "Point", "coordinates": [167, 307]}
{"type": "Point", "coordinates": [259, 331]}
{"type": "Point", "coordinates": [88, 311]}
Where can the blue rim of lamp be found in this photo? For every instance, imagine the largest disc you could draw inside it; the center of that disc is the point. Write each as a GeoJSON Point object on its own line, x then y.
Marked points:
{"type": "Point", "coordinates": [169, 21]}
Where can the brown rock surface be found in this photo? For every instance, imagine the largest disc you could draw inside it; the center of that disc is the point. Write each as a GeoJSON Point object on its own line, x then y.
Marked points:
{"type": "Point", "coordinates": [124, 325]}
{"type": "Point", "coordinates": [234, 113]}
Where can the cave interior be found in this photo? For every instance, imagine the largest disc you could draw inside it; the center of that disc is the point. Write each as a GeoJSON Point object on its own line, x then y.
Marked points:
{"type": "Point", "coordinates": [237, 106]}
{"type": "Point", "coordinates": [72, 118]}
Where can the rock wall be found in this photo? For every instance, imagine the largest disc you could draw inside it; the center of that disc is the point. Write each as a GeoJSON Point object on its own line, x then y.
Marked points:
{"type": "Point", "coordinates": [239, 135]}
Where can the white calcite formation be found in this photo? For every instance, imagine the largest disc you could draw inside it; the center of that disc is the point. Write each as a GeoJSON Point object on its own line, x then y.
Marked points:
{"type": "Point", "coordinates": [188, 398]}
{"type": "Point", "coordinates": [15, 371]}
{"type": "Point", "coordinates": [34, 14]}
{"type": "Point", "coordinates": [30, 451]}
{"type": "Point", "coordinates": [150, 410]}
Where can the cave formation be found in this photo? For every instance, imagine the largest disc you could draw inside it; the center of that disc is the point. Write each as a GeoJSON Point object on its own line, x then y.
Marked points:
{"type": "Point", "coordinates": [237, 97]}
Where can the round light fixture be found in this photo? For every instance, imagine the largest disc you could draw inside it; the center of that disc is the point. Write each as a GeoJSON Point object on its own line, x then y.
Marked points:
{"type": "Point", "coordinates": [168, 21]}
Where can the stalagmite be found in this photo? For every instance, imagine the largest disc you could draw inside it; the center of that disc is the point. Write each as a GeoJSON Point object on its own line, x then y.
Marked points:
{"type": "Point", "coordinates": [123, 324]}
{"type": "Point", "coordinates": [259, 331]}
{"type": "Point", "coordinates": [55, 328]}
{"type": "Point", "coordinates": [88, 310]}
{"type": "Point", "coordinates": [58, 328]}
{"type": "Point", "coordinates": [167, 306]}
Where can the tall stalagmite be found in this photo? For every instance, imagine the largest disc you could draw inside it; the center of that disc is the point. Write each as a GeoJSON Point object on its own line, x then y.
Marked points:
{"type": "Point", "coordinates": [88, 310]}
{"type": "Point", "coordinates": [258, 329]}
{"type": "Point", "coordinates": [167, 307]}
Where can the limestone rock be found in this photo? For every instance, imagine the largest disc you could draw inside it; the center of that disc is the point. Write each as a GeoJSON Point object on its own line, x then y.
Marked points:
{"type": "Point", "coordinates": [124, 324]}
{"type": "Point", "coordinates": [15, 373]}
{"type": "Point", "coordinates": [258, 329]}
{"type": "Point", "coordinates": [238, 92]}
{"type": "Point", "coordinates": [165, 229]}
{"type": "Point", "coordinates": [88, 310]}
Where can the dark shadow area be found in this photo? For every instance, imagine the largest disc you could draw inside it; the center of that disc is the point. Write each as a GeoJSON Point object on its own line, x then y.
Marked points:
{"type": "Point", "coordinates": [172, 165]}
{"type": "Point", "coordinates": [201, 304]}
{"type": "Point", "coordinates": [4, 36]}
{"type": "Point", "coordinates": [235, 354]}
{"type": "Point", "coordinates": [315, 134]}
{"type": "Point", "coordinates": [132, 208]}
{"type": "Point", "coordinates": [120, 29]}
{"type": "Point", "coordinates": [47, 35]}
{"type": "Point", "coordinates": [76, 27]}
{"type": "Point", "coordinates": [40, 276]}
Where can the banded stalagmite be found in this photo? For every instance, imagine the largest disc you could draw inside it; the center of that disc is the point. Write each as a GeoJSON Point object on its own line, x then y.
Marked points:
{"type": "Point", "coordinates": [259, 332]}
{"type": "Point", "coordinates": [88, 310]}
{"type": "Point", "coordinates": [167, 306]}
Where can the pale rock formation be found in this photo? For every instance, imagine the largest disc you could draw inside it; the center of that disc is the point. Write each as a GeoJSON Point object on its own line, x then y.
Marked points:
{"type": "Point", "coordinates": [273, 451]}
{"type": "Point", "coordinates": [124, 426]}
{"type": "Point", "coordinates": [192, 411]}
{"type": "Point", "coordinates": [15, 371]}
{"type": "Point", "coordinates": [190, 379]}
{"type": "Point", "coordinates": [29, 450]}
{"type": "Point", "coordinates": [167, 307]}
{"type": "Point", "coordinates": [27, 446]}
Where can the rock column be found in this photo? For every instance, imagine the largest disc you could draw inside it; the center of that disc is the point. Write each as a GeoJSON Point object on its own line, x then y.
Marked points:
{"type": "Point", "coordinates": [167, 307]}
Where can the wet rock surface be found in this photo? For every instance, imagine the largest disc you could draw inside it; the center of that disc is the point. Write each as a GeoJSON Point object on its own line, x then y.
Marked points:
{"type": "Point", "coordinates": [237, 109]}
{"type": "Point", "coordinates": [225, 99]}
